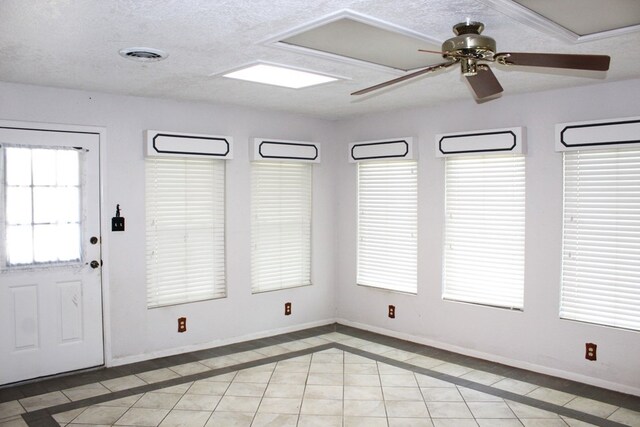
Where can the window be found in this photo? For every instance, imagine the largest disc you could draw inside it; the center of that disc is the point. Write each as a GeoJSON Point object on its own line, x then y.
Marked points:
{"type": "Point", "coordinates": [484, 230]}
{"type": "Point", "coordinates": [388, 225]}
{"type": "Point", "coordinates": [185, 230]}
{"type": "Point", "coordinates": [280, 225]}
{"type": "Point", "coordinates": [601, 237]}
{"type": "Point", "coordinates": [42, 205]}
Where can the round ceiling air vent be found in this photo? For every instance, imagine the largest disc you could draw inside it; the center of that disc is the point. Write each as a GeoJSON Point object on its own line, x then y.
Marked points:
{"type": "Point", "coordinates": [144, 54]}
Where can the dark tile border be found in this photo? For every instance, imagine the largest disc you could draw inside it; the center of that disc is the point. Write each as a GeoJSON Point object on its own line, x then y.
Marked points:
{"type": "Point", "coordinates": [75, 379]}
{"type": "Point", "coordinates": [44, 417]}
{"type": "Point", "coordinates": [627, 401]}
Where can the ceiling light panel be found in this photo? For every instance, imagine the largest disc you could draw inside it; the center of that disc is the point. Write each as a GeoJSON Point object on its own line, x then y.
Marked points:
{"type": "Point", "coordinates": [279, 75]}
{"type": "Point", "coordinates": [357, 37]}
{"type": "Point", "coordinates": [587, 17]}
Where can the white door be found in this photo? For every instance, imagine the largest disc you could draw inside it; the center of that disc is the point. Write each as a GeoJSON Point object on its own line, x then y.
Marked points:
{"type": "Point", "coordinates": [50, 278]}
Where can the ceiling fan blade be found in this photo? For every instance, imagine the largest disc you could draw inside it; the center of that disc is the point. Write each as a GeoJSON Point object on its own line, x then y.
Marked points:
{"type": "Point", "coordinates": [426, 70]}
{"type": "Point", "coordinates": [555, 60]}
{"type": "Point", "coordinates": [485, 83]}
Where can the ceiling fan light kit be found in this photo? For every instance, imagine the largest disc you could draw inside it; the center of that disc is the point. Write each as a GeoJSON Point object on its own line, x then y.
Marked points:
{"type": "Point", "coordinates": [469, 48]}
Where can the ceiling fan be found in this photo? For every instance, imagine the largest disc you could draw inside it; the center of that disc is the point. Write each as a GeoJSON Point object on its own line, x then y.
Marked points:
{"type": "Point", "coordinates": [470, 49]}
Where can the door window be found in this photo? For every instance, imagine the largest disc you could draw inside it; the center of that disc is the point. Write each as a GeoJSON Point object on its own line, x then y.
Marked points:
{"type": "Point", "coordinates": [42, 206]}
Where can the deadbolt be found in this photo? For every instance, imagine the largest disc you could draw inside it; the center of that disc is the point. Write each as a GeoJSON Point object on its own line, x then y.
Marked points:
{"type": "Point", "coordinates": [93, 240]}
{"type": "Point", "coordinates": [94, 264]}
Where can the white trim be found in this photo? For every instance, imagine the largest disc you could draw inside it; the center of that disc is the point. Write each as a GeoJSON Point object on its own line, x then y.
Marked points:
{"type": "Point", "coordinates": [560, 373]}
{"type": "Point", "coordinates": [598, 134]}
{"type": "Point", "coordinates": [179, 144]}
{"type": "Point", "coordinates": [282, 150]}
{"type": "Point", "coordinates": [119, 361]}
{"type": "Point", "coordinates": [402, 148]}
{"type": "Point", "coordinates": [547, 26]}
{"type": "Point", "coordinates": [274, 41]}
{"type": "Point", "coordinates": [490, 141]}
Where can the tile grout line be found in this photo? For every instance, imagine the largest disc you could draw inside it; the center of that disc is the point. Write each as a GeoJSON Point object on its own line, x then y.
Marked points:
{"type": "Point", "coordinates": [34, 418]}
{"type": "Point", "coordinates": [560, 410]}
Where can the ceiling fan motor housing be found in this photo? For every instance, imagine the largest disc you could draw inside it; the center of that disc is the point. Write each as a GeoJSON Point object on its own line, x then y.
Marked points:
{"type": "Point", "coordinates": [469, 43]}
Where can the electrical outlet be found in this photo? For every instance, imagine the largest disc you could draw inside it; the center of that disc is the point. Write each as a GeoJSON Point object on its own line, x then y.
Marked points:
{"type": "Point", "coordinates": [287, 308]}
{"type": "Point", "coordinates": [590, 351]}
{"type": "Point", "coordinates": [182, 324]}
{"type": "Point", "coordinates": [392, 311]}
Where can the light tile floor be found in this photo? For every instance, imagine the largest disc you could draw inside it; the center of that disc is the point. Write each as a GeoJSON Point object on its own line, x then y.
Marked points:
{"type": "Point", "coordinates": [332, 379]}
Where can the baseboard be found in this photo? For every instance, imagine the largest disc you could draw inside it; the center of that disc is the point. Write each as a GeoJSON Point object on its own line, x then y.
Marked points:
{"type": "Point", "coordinates": [118, 361]}
{"type": "Point", "coordinates": [622, 388]}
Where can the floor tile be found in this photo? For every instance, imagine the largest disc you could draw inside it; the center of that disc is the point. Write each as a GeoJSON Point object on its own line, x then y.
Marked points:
{"type": "Point", "coordinates": [364, 408]}
{"type": "Point", "coordinates": [400, 355]}
{"type": "Point", "coordinates": [543, 422]}
{"type": "Point", "coordinates": [321, 407]}
{"type": "Point", "coordinates": [142, 417]}
{"type": "Point", "coordinates": [252, 377]}
{"type": "Point", "coordinates": [320, 421]}
{"type": "Point", "coordinates": [410, 422]}
{"type": "Point", "coordinates": [361, 368]}
{"type": "Point", "coordinates": [292, 368]}
{"type": "Point", "coordinates": [209, 387]}
{"type": "Point", "coordinates": [189, 368]}
{"type": "Point", "coordinates": [219, 362]}
{"type": "Point", "coordinates": [362, 393]}
{"type": "Point", "coordinates": [323, 392]}
{"type": "Point", "coordinates": [515, 386]}
{"type": "Point", "coordinates": [452, 369]}
{"type": "Point", "coordinates": [626, 416]}
{"type": "Point", "coordinates": [157, 375]}
{"type": "Point", "coordinates": [273, 350]}
{"type": "Point", "coordinates": [354, 358]}
{"type": "Point", "coordinates": [481, 377]}
{"type": "Point", "coordinates": [176, 389]}
{"type": "Point", "coordinates": [238, 404]}
{"type": "Point", "coordinates": [397, 380]}
{"type": "Point", "coordinates": [365, 422]}
{"type": "Point", "coordinates": [575, 423]}
{"type": "Point", "coordinates": [454, 422]}
{"type": "Point", "coordinates": [287, 378]}
{"type": "Point", "coordinates": [10, 409]}
{"type": "Point", "coordinates": [280, 405]}
{"type": "Point", "coordinates": [424, 362]}
{"type": "Point", "coordinates": [245, 389]}
{"type": "Point", "coordinates": [551, 396]}
{"type": "Point", "coordinates": [441, 394]}
{"type": "Point", "coordinates": [471, 395]}
{"type": "Point", "coordinates": [361, 380]}
{"type": "Point", "coordinates": [158, 401]}
{"type": "Point", "coordinates": [43, 401]}
{"type": "Point", "coordinates": [328, 358]}
{"type": "Point", "coordinates": [100, 415]}
{"type": "Point", "coordinates": [427, 381]}
{"type": "Point", "coordinates": [448, 410]}
{"type": "Point", "coordinates": [326, 368]}
{"type": "Point", "coordinates": [593, 407]}
{"type": "Point", "coordinates": [123, 383]}
{"type": "Point", "coordinates": [198, 402]}
{"type": "Point", "coordinates": [402, 393]}
{"type": "Point", "coordinates": [179, 418]}
{"type": "Point", "coordinates": [385, 369]}
{"type": "Point", "coordinates": [325, 379]}
{"type": "Point", "coordinates": [274, 420]}
{"type": "Point", "coordinates": [230, 419]}
{"type": "Point", "coordinates": [66, 417]}
{"type": "Point", "coordinates": [499, 422]}
{"type": "Point", "coordinates": [124, 402]}
{"type": "Point", "coordinates": [13, 422]}
{"type": "Point", "coordinates": [406, 409]}
{"type": "Point", "coordinates": [490, 410]}
{"type": "Point", "coordinates": [525, 411]}
{"type": "Point", "coordinates": [285, 390]}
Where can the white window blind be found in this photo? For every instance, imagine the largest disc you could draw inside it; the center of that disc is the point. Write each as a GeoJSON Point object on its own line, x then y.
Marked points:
{"type": "Point", "coordinates": [388, 225]}
{"type": "Point", "coordinates": [601, 237]}
{"type": "Point", "coordinates": [280, 225]}
{"type": "Point", "coordinates": [184, 230]}
{"type": "Point", "coordinates": [484, 230]}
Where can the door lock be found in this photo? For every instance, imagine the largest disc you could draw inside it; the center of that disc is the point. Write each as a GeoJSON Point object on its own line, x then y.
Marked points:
{"type": "Point", "coordinates": [94, 264]}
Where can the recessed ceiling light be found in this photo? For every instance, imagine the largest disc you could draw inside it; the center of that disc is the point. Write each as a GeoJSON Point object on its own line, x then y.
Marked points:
{"type": "Point", "coordinates": [143, 54]}
{"type": "Point", "coordinates": [279, 76]}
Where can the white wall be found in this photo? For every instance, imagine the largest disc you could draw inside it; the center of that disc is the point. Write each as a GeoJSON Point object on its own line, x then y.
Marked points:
{"type": "Point", "coordinates": [534, 338]}
{"type": "Point", "coordinates": [133, 332]}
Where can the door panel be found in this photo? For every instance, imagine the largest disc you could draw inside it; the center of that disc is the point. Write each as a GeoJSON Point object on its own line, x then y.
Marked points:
{"type": "Point", "coordinates": [50, 296]}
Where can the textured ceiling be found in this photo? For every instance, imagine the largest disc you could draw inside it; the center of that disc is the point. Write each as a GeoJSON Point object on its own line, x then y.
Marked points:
{"type": "Point", "coordinates": [75, 44]}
